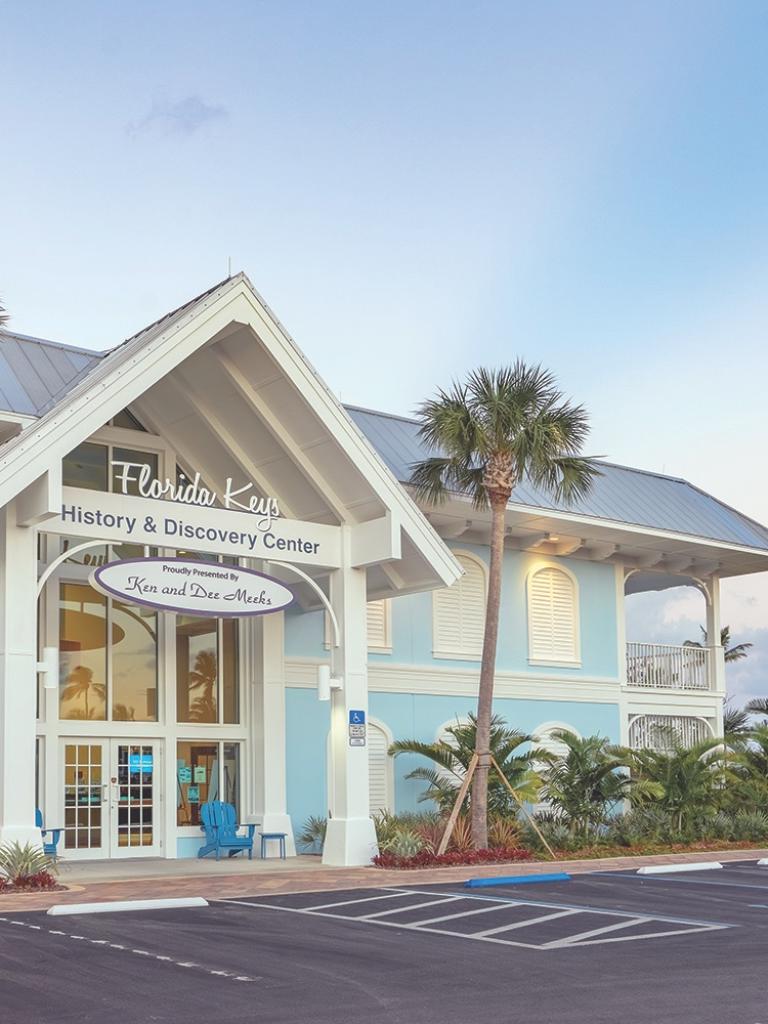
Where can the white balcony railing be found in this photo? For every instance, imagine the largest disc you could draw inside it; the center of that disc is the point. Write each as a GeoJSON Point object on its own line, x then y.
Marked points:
{"type": "Point", "coordinates": [667, 667]}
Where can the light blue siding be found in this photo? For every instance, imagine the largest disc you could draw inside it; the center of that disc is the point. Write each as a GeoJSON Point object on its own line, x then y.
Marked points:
{"type": "Point", "coordinates": [411, 716]}
{"type": "Point", "coordinates": [412, 622]}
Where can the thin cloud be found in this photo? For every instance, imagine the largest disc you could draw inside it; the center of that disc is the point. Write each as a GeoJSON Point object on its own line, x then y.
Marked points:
{"type": "Point", "coordinates": [184, 117]}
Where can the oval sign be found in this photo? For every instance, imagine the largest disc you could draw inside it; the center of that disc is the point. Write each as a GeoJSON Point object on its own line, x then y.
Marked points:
{"type": "Point", "coordinates": [192, 588]}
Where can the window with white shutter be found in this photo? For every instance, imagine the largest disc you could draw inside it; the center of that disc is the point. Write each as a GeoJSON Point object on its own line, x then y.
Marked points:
{"type": "Point", "coordinates": [459, 613]}
{"type": "Point", "coordinates": [379, 770]}
{"type": "Point", "coordinates": [553, 617]}
{"type": "Point", "coordinates": [379, 625]}
{"type": "Point", "coordinates": [662, 732]}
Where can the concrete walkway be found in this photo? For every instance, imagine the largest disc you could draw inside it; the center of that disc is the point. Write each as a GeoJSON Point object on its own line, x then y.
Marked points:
{"type": "Point", "coordinates": [147, 879]}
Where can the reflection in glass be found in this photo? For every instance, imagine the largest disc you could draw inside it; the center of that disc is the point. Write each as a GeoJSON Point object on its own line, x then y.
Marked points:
{"type": "Point", "coordinates": [197, 779]}
{"type": "Point", "coordinates": [196, 669]}
{"type": "Point", "coordinates": [83, 652]}
{"type": "Point", "coordinates": [86, 466]}
{"type": "Point", "coordinates": [231, 781]}
{"type": "Point", "coordinates": [132, 472]}
{"type": "Point", "coordinates": [134, 664]}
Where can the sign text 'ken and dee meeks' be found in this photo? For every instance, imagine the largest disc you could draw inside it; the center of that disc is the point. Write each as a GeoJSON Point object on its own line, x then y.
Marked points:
{"type": "Point", "coordinates": [190, 587]}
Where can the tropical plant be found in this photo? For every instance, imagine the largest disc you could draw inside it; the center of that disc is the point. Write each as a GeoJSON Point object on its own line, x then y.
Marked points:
{"type": "Point", "coordinates": [203, 677]}
{"type": "Point", "coordinates": [736, 721]}
{"type": "Point", "coordinates": [4, 318]}
{"type": "Point", "coordinates": [450, 757]}
{"type": "Point", "coordinates": [733, 652]}
{"type": "Point", "coordinates": [312, 834]}
{"type": "Point", "coordinates": [758, 706]}
{"type": "Point", "coordinates": [79, 683]}
{"type": "Point", "coordinates": [18, 863]}
{"type": "Point", "coordinates": [486, 435]}
{"type": "Point", "coordinates": [584, 780]}
{"type": "Point", "coordinates": [686, 781]}
{"type": "Point", "coordinates": [404, 843]}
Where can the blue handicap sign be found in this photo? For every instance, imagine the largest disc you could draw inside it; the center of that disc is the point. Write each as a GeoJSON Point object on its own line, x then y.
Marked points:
{"type": "Point", "coordinates": [357, 718]}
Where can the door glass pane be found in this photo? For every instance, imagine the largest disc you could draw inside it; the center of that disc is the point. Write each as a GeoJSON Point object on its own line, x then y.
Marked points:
{"type": "Point", "coordinates": [82, 796]}
{"type": "Point", "coordinates": [135, 794]}
{"type": "Point", "coordinates": [231, 776]}
{"type": "Point", "coordinates": [197, 779]}
{"type": "Point", "coordinates": [86, 466]}
{"type": "Point", "coordinates": [230, 689]}
{"type": "Point", "coordinates": [196, 669]}
{"type": "Point", "coordinates": [134, 663]}
{"type": "Point", "coordinates": [82, 652]}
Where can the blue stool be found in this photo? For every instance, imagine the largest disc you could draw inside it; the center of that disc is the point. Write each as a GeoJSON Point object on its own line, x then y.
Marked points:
{"type": "Point", "coordinates": [280, 836]}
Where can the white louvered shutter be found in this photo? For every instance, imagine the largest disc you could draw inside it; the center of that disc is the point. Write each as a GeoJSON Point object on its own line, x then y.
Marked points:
{"type": "Point", "coordinates": [553, 626]}
{"type": "Point", "coordinates": [459, 613]}
{"type": "Point", "coordinates": [378, 770]}
{"type": "Point", "coordinates": [660, 732]}
{"type": "Point", "coordinates": [378, 625]}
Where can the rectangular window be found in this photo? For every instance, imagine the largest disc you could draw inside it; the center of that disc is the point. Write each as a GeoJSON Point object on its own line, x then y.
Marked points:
{"type": "Point", "coordinates": [134, 663]}
{"type": "Point", "coordinates": [207, 680]}
{"type": "Point", "coordinates": [86, 466]}
{"type": "Point", "coordinates": [82, 652]}
{"type": "Point", "coordinates": [205, 771]}
{"type": "Point", "coordinates": [90, 682]}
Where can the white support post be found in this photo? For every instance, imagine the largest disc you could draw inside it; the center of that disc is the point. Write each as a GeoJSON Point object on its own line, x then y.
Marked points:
{"type": "Point", "coordinates": [717, 654]}
{"type": "Point", "coordinates": [18, 679]}
{"type": "Point", "coordinates": [350, 837]}
{"type": "Point", "coordinates": [268, 711]}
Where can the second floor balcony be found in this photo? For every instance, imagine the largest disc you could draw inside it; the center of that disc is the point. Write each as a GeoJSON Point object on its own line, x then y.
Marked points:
{"type": "Point", "coordinates": [672, 667]}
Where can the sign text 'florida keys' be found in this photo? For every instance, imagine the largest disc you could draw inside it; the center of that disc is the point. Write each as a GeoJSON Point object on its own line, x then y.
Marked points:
{"type": "Point", "coordinates": [190, 587]}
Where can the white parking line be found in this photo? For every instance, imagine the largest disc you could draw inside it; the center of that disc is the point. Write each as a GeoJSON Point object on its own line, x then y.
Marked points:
{"type": "Point", "coordinates": [627, 923]}
{"type": "Point", "coordinates": [365, 899]}
{"type": "Point", "coordinates": [621, 919]}
{"type": "Point", "coordinates": [523, 924]}
{"type": "Point", "coordinates": [401, 910]}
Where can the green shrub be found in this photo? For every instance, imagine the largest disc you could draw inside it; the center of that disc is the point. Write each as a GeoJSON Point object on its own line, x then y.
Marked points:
{"type": "Point", "coordinates": [17, 862]}
{"type": "Point", "coordinates": [312, 834]}
{"type": "Point", "coordinates": [404, 842]}
{"type": "Point", "coordinates": [750, 826]}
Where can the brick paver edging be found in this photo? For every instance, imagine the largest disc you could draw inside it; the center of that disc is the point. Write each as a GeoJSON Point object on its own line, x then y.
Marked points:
{"type": "Point", "coordinates": [302, 880]}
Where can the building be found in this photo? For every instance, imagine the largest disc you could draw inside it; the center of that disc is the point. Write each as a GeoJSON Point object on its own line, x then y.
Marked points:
{"type": "Point", "coordinates": [206, 446]}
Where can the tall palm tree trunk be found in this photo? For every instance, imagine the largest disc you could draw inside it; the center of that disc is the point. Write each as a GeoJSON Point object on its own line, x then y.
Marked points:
{"type": "Point", "coordinates": [479, 809]}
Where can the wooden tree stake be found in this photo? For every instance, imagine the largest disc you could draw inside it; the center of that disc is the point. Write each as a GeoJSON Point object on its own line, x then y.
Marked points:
{"type": "Point", "coordinates": [522, 807]}
{"type": "Point", "coordinates": [457, 806]}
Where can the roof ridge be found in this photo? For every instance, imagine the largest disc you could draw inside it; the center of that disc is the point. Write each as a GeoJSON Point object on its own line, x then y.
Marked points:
{"type": "Point", "coordinates": [603, 462]}
{"type": "Point", "coordinates": [100, 353]}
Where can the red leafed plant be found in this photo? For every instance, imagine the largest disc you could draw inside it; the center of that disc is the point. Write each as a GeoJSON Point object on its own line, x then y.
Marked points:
{"type": "Point", "coordinates": [40, 880]}
{"type": "Point", "coordinates": [428, 859]}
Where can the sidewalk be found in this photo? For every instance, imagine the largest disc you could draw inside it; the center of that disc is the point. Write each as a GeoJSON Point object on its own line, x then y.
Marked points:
{"type": "Point", "coordinates": [155, 879]}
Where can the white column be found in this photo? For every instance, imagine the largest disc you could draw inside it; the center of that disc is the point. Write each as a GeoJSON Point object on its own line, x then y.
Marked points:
{"type": "Point", "coordinates": [714, 625]}
{"type": "Point", "coordinates": [268, 728]}
{"type": "Point", "coordinates": [351, 836]}
{"type": "Point", "coordinates": [18, 679]}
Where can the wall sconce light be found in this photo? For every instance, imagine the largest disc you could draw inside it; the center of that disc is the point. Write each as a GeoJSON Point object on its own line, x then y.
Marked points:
{"type": "Point", "coordinates": [326, 682]}
{"type": "Point", "coordinates": [49, 668]}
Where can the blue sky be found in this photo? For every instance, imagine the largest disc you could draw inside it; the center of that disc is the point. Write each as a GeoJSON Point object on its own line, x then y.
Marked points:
{"type": "Point", "coordinates": [416, 188]}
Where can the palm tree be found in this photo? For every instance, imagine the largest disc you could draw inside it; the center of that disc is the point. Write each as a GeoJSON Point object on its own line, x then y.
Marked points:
{"type": "Point", "coordinates": [451, 757]}
{"type": "Point", "coordinates": [758, 706]}
{"type": "Point", "coordinates": [204, 677]}
{"type": "Point", "coordinates": [687, 780]}
{"type": "Point", "coordinates": [4, 317]}
{"type": "Point", "coordinates": [79, 683]}
{"type": "Point", "coordinates": [486, 435]}
{"type": "Point", "coordinates": [733, 652]}
{"type": "Point", "coordinates": [585, 780]}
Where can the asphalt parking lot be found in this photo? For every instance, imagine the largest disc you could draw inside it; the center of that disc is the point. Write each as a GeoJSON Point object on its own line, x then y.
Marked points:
{"type": "Point", "coordinates": [685, 947]}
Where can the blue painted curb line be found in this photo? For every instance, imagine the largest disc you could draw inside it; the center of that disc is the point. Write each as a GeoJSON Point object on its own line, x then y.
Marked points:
{"type": "Point", "coordinates": [483, 883]}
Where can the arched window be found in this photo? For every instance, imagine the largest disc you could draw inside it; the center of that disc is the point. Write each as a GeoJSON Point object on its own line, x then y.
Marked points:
{"type": "Point", "coordinates": [459, 613]}
{"type": "Point", "coordinates": [380, 769]}
{"type": "Point", "coordinates": [660, 732]}
{"type": "Point", "coordinates": [553, 617]}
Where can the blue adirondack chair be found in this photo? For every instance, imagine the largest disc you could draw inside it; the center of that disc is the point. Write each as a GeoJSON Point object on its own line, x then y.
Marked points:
{"type": "Point", "coordinates": [219, 822]}
{"type": "Point", "coordinates": [49, 845]}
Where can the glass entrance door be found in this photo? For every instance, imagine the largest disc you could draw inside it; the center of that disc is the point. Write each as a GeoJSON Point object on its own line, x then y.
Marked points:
{"type": "Point", "coordinates": [111, 798]}
{"type": "Point", "coordinates": [134, 798]}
